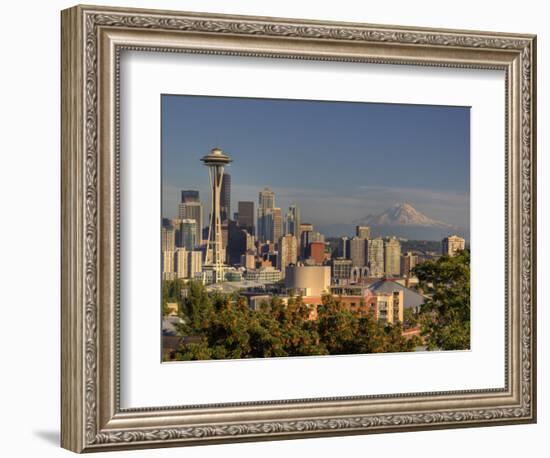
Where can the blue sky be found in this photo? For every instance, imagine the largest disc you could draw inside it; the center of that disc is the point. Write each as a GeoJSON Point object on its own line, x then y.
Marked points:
{"type": "Point", "coordinates": [338, 160]}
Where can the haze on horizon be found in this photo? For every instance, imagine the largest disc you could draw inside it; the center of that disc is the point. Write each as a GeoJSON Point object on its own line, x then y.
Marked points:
{"type": "Point", "coordinates": [339, 161]}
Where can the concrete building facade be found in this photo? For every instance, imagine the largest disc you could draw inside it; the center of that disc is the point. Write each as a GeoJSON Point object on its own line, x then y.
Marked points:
{"type": "Point", "coordinates": [308, 280]}
{"type": "Point", "coordinates": [316, 252]}
{"type": "Point", "coordinates": [392, 257]}
{"type": "Point", "coordinates": [452, 244]}
{"type": "Point", "coordinates": [288, 252]}
{"type": "Point", "coordinates": [363, 232]}
{"type": "Point", "coordinates": [192, 210]}
{"type": "Point", "coordinates": [376, 257]}
{"type": "Point", "coordinates": [358, 251]}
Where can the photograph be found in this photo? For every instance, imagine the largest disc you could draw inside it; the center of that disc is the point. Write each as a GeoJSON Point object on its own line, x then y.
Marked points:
{"type": "Point", "coordinates": [312, 228]}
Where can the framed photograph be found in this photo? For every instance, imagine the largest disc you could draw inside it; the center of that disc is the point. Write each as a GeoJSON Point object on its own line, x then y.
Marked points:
{"type": "Point", "coordinates": [278, 228]}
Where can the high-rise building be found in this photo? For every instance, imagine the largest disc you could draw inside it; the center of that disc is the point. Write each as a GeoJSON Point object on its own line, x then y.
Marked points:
{"type": "Point", "coordinates": [358, 251]}
{"type": "Point", "coordinates": [392, 257]}
{"type": "Point", "coordinates": [248, 260]}
{"type": "Point", "coordinates": [376, 257]}
{"type": "Point", "coordinates": [305, 238]}
{"type": "Point", "coordinates": [316, 252]}
{"type": "Point", "coordinates": [266, 198]}
{"type": "Point", "coordinates": [192, 210]}
{"type": "Point", "coordinates": [292, 221]}
{"type": "Point", "coordinates": [188, 234]}
{"type": "Point", "coordinates": [270, 227]}
{"type": "Point", "coordinates": [250, 242]}
{"type": "Point", "coordinates": [225, 198]}
{"type": "Point", "coordinates": [194, 264]}
{"type": "Point", "coordinates": [225, 235]}
{"type": "Point", "coordinates": [341, 269]}
{"type": "Point", "coordinates": [246, 216]}
{"type": "Point", "coordinates": [238, 242]}
{"type": "Point", "coordinates": [363, 232]}
{"type": "Point", "coordinates": [452, 244]}
{"type": "Point", "coordinates": [168, 265]}
{"type": "Point", "coordinates": [265, 215]}
{"type": "Point", "coordinates": [288, 252]}
{"type": "Point", "coordinates": [277, 224]}
{"type": "Point", "coordinates": [216, 161]}
{"type": "Point", "coordinates": [168, 238]}
{"type": "Point", "coordinates": [189, 195]}
{"type": "Point", "coordinates": [408, 262]}
{"type": "Point", "coordinates": [316, 236]}
{"type": "Point", "coordinates": [182, 263]}
{"type": "Point", "coordinates": [342, 251]}
{"type": "Point", "coordinates": [175, 223]}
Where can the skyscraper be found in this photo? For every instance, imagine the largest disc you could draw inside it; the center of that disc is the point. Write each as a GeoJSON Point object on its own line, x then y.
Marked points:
{"type": "Point", "coordinates": [358, 250]}
{"type": "Point", "coordinates": [316, 236]}
{"type": "Point", "coordinates": [376, 257]}
{"type": "Point", "coordinates": [342, 250]}
{"type": "Point", "coordinates": [194, 265]}
{"type": "Point", "coordinates": [270, 223]}
{"type": "Point", "coordinates": [363, 232]}
{"type": "Point", "coordinates": [181, 263]}
{"type": "Point", "coordinates": [316, 252]}
{"type": "Point", "coordinates": [305, 237]}
{"type": "Point", "coordinates": [188, 234]}
{"type": "Point", "coordinates": [225, 198]}
{"type": "Point", "coordinates": [246, 216]}
{"type": "Point", "coordinates": [452, 244]}
{"type": "Point", "coordinates": [168, 238]}
{"type": "Point", "coordinates": [292, 221]}
{"type": "Point", "coordinates": [277, 224]}
{"type": "Point", "coordinates": [192, 210]}
{"type": "Point", "coordinates": [392, 257]}
{"type": "Point", "coordinates": [168, 265]}
{"type": "Point", "coordinates": [267, 198]}
{"type": "Point", "coordinates": [237, 245]}
{"type": "Point", "coordinates": [288, 252]}
{"type": "Point", "coordinates": [216, 160]}
{"type": "Point", "coordinates": [266, 202]}
{"type": "Point", "coordinates": [408, 262]}
{"type": "Point", "coordinates": [189, 195]}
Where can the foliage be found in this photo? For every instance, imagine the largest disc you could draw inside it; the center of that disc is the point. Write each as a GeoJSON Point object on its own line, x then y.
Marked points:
{"type": "Point", "coordinates": [410, 318]}
{"type": "Point", "coordinates": [445, 316]}
{"type": "Point", "coordinates": [228, 329]}
{"type": "Point", "coordinates": [171, 292]}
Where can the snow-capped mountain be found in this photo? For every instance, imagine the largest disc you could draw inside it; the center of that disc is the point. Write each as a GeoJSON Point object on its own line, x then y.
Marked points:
{"type": "Point", "coordinates": [403, 214]}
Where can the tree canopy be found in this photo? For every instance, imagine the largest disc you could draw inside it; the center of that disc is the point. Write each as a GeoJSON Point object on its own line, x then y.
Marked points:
{"type": "Point", "coordinates": [445, 316]}
{"type": "Point", "coordinates": [224, 327]}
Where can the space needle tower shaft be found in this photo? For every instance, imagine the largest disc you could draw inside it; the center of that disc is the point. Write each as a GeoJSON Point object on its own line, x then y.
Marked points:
{"type": "Point", "coordinates": [216, 161]}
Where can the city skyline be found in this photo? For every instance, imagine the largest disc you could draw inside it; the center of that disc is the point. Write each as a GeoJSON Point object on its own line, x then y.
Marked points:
{"type": "Point", "coordinates": [254, 248]}
{"type": "Point", "coordinates": [365, 191]}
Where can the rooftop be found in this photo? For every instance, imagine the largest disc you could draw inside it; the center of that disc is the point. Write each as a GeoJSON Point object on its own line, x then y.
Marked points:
{"type": "Point", "coordinates": [411, 298]}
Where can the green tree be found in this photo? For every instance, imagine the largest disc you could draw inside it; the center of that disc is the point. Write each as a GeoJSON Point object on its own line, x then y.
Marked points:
{"type": "Point", "coordinates": [410, 318]}
{"type": "Point", "coordinates": [197, 308]}
{"type": "Point", "coordinates": [337, 326]}
{"type": "Point", "coordinates": [298, 333]}
{"type": "Point", "coordinates": [445, 316]}
{"type": "Point", "coordinates": [227, 329]}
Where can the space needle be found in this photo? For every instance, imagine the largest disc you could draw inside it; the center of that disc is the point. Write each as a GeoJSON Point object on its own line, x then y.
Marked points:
{"type": "Point", "coordinates": [216, 161]}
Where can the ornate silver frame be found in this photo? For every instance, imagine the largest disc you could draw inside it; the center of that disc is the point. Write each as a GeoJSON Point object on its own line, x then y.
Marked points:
{"type": "Point", "coordinates": [92, 39]}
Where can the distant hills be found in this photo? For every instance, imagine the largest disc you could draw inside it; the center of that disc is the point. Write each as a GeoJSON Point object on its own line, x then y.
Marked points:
{"type": "Point", "coordinates": [401, 220]}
